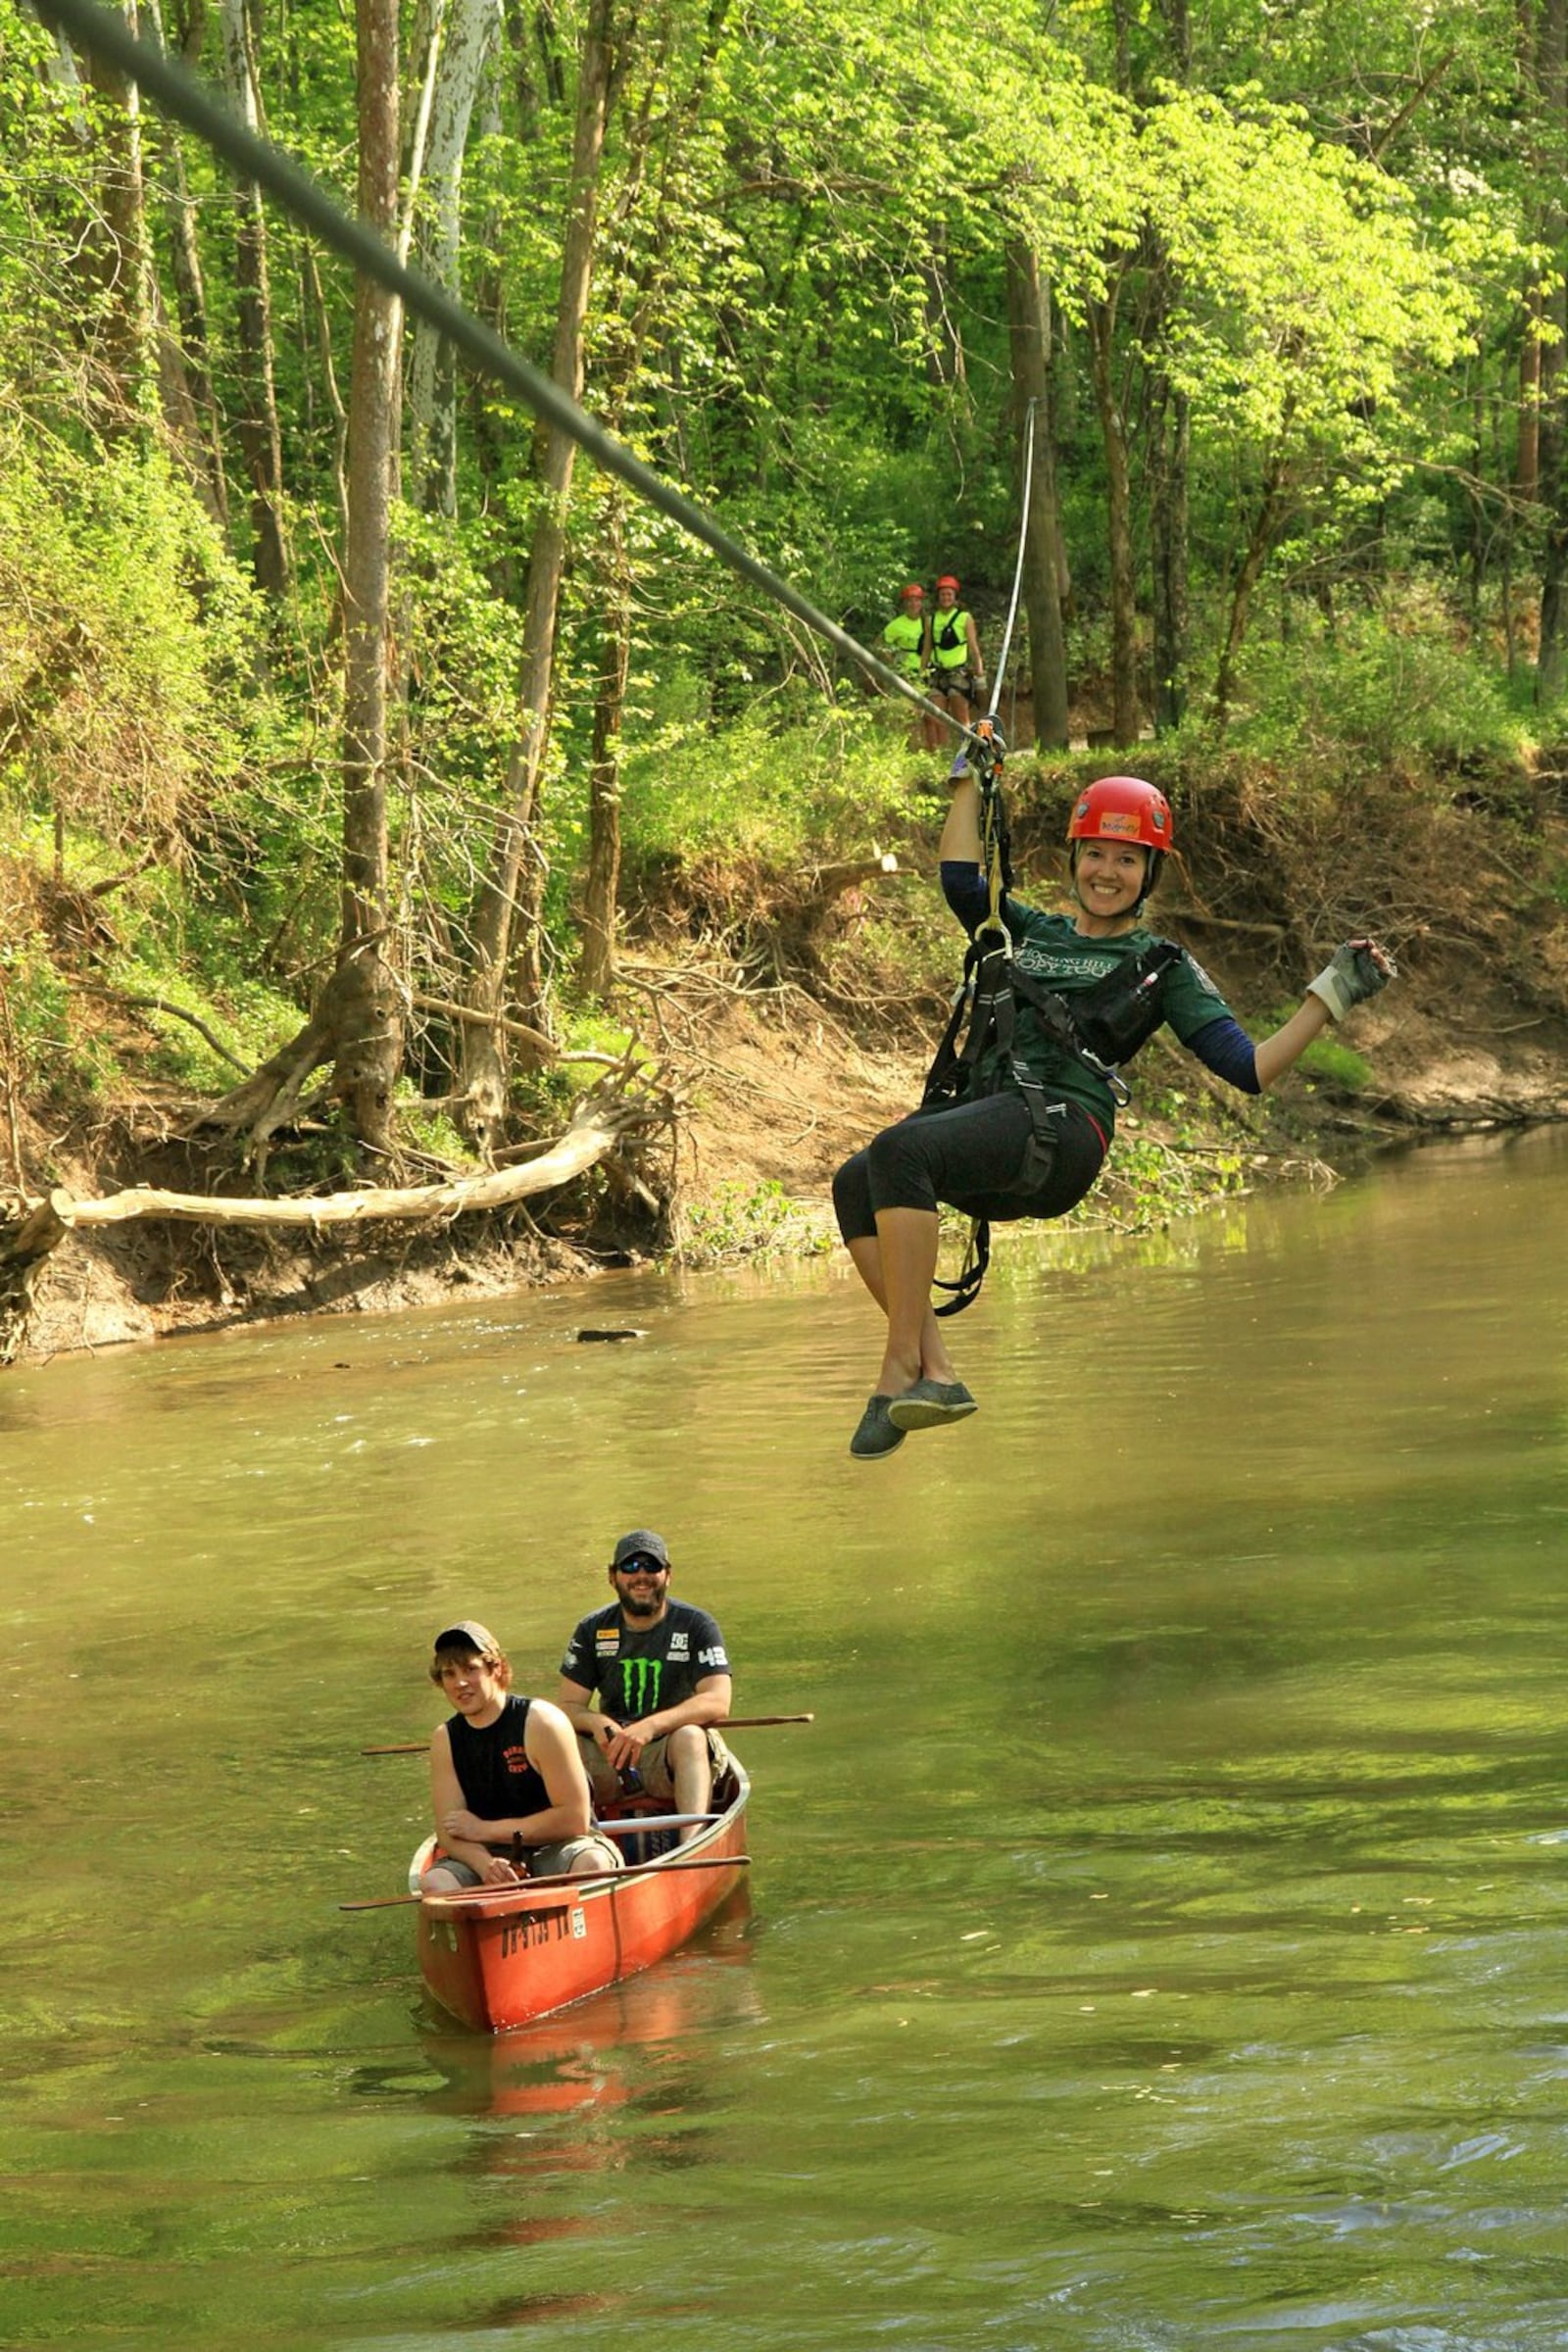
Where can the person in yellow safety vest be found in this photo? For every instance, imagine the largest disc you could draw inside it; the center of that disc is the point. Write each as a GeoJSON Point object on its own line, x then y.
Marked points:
{"type": "Point", "coordinates": [908, 638]}
{"type": "Point", "coordinates": [909, 646]}
{"type": "Point", "coordinates": [957, 666]}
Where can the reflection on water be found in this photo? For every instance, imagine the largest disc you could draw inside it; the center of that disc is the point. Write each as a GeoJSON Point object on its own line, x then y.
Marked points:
{"type": "Point", "coordinates": [1157, 1939]}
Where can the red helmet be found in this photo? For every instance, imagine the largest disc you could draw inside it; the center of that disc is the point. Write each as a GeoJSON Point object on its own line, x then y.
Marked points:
{"type": "Point", "coordinates": [947, 581]}
{"type": "Point", "coordinates": [1122, 809]}
{"type": "Point", "coordinates": [913, 589]}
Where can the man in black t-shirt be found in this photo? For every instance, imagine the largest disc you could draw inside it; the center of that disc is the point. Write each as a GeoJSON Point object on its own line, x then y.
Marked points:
{"type": "Point", "coordinates": [645, 1681]}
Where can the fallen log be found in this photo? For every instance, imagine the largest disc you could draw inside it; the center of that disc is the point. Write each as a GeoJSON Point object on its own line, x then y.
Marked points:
{"type": "Point", "coordinates": [831, 881]}
{"type": "Point", "coordinates": [597, 1125]}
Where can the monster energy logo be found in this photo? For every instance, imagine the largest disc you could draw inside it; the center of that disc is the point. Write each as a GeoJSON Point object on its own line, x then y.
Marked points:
{"type": "Point", "coordinates": [639, 1684]}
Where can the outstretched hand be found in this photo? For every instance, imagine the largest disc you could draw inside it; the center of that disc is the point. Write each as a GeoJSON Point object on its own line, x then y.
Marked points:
{"type": "Point", "coordinates": [1354, 972]}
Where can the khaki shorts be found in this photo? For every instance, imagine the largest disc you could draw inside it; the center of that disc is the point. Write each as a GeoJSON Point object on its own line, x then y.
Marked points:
{"type": "Point", "coordinates": [654, 1773]}
{"type": "Point", "coordinates": [558, 1861]}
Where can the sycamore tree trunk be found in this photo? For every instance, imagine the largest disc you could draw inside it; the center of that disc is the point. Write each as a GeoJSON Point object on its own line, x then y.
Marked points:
{"type": "Point", "coordinates": [1125, 715]}
{"type": "Point", "coordinates": [507, 913]}
{"type": "Point", "coordinates": [369, 1047]}
{"type": "Point", "coordinates": [260, 438]}
{"type": "Point", "coordinates": [472, 30]}
{"type": "Point", "coordinates": [1029, 343]}
{"type": "Point", "coordinates": [603, 888]}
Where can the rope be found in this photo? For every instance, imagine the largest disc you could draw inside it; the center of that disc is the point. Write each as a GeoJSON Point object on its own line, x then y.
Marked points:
{"type": "Point", "coordinates": [176, 93]}
{"type": "Point", "coordinates": [1017, 569]}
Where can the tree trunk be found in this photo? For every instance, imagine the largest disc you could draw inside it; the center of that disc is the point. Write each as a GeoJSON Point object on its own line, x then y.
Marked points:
{"type": "Point", "coordinates": [944, 363]}
{"type": "Point", "coordinates": [1169, 445]}
{"type": "Point", "coordinates": [1125, 715]}
{"type": "Point", "coordinates": [1551, 75]}
{"type": "Point", "coordinates": [369, 1039]}
{"type": "Point", "coordinates": [633, 301]}
{"type": "Point", "coordinates": [600, 897]}
{"type": "Point", "coordinates": [1271, 511]}
{"type": "Point", "coordinates": [1553, 575]}
{"type": "Point", "coordinates": [472, 30]}
{"type": "Point", "coordinates": [1527, 467]}
{"type": "Point", "coordinates": [260, 437]}
{"type": "Point", "coordinates": [190, 298]}
{"type": "Point", "coordinates": [116, 246]}
{"type": "Point", "coordinates": [1029, 343]}
{"type": "Point", "coordinates": [512, 895]}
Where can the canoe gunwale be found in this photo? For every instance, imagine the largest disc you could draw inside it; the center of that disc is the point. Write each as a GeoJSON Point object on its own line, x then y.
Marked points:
{"type": "Point", "coordinates": [484, 1902]}
{"type": "Point", "coordinates": [651, 1914]}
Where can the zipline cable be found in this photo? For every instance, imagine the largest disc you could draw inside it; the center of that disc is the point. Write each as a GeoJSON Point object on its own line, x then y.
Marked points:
{"type": "Point", "coordinates": [176, 92]}
{"type": "Point", "coordinates": [1017, 569]}
{"type": "Point", "coordinates": [985, 747]}
{"type": "Point", "coordinates": [987, 983]}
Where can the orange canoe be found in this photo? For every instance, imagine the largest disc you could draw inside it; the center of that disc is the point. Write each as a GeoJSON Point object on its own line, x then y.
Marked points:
{"type": "Point", "coordinates": [495, 1957]}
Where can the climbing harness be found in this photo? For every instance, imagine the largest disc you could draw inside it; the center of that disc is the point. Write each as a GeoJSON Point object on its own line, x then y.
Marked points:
{"type": "Point", "coordinates": [1100, 1026]}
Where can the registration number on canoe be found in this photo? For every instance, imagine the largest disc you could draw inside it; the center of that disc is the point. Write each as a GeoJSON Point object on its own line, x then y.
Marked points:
{"type": "Point", "coordinates": [526, 1931]}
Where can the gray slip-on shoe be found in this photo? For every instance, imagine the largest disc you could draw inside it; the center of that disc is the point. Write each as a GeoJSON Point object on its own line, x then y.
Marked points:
{"type": "Point", "coordinates": [931, 1404]}
{"type": "Point", "coordinates": [875, 1434]}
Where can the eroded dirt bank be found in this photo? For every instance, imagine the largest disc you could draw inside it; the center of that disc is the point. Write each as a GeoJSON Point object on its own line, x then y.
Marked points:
{"type": "Point", "coordinates": [792, 1019]}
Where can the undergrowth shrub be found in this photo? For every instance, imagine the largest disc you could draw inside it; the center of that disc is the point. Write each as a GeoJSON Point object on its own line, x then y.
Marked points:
{"type": "Point", "coordinates": [1391, 688]}
{"type": "Point", "coordinates": [128, 639]}
{"type": "Point", "coordinates": [1338, 1065]}
{"type": "Point", "coordinates": [747, 787]}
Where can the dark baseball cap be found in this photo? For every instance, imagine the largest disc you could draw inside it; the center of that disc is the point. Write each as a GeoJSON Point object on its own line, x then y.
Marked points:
{"type": "Point", "coordinates": [642, 1544]}
{"type": "Point", "coordinates": [469, 1634]}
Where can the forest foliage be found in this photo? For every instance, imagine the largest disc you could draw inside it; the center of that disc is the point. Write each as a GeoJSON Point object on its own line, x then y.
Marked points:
{"type": "Point", "coordinates": [338, 706]}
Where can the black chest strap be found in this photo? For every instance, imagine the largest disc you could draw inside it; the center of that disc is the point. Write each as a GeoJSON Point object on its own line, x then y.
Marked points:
{"type": "Point", "coordinates": [1100, 1026]}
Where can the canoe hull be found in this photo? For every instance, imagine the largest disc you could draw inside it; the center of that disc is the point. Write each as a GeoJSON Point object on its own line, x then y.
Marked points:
{"type": "Point", "coordinates": [496, 1959]}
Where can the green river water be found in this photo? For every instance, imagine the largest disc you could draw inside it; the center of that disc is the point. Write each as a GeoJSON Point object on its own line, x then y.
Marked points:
{"type": "Point", "coordinates": [1158, 1942]}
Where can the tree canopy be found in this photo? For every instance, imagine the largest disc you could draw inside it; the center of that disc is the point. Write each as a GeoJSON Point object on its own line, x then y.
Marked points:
{"type": "Point", "coordinates": [1298, 280]}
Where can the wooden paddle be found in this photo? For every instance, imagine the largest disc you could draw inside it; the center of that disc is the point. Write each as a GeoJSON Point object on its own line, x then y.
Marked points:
{"type": "Point", "coordinates": [736, 1723]}
{"type": "Point", "coordinates": [607, 1880]}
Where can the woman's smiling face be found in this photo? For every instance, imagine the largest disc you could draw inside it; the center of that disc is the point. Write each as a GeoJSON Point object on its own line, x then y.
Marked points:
{"type": "Point", "coordinates": [1107, 880]}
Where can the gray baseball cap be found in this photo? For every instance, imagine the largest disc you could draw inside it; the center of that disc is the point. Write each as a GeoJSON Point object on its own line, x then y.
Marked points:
{"type": "Point", "coordinates": [641, 1544]}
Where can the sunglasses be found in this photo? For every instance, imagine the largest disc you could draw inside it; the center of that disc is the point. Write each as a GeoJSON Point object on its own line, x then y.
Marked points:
{"type": "Point", "coordinates": [639, 1565]}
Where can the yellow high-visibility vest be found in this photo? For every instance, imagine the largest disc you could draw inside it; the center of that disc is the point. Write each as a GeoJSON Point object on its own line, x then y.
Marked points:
{"type": "Point", "coordinates": [949, 638]}
{"type": "Point", "coordinates": [906, 634]}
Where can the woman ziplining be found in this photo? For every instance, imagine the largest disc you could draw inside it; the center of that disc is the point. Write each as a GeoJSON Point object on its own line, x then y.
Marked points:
{"type": "Point", "coordinates": [1018, 1122]}
{"type": "Point", "coordinates": [1025, 1130]}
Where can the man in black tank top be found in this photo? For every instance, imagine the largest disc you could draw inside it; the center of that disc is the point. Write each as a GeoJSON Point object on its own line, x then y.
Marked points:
{"type": "Point", "coordinates": [507, 1784]}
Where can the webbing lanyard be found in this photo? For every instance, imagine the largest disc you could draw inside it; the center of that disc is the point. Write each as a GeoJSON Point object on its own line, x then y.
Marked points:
{"type": "Point", "coordinates": [985, 753]}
